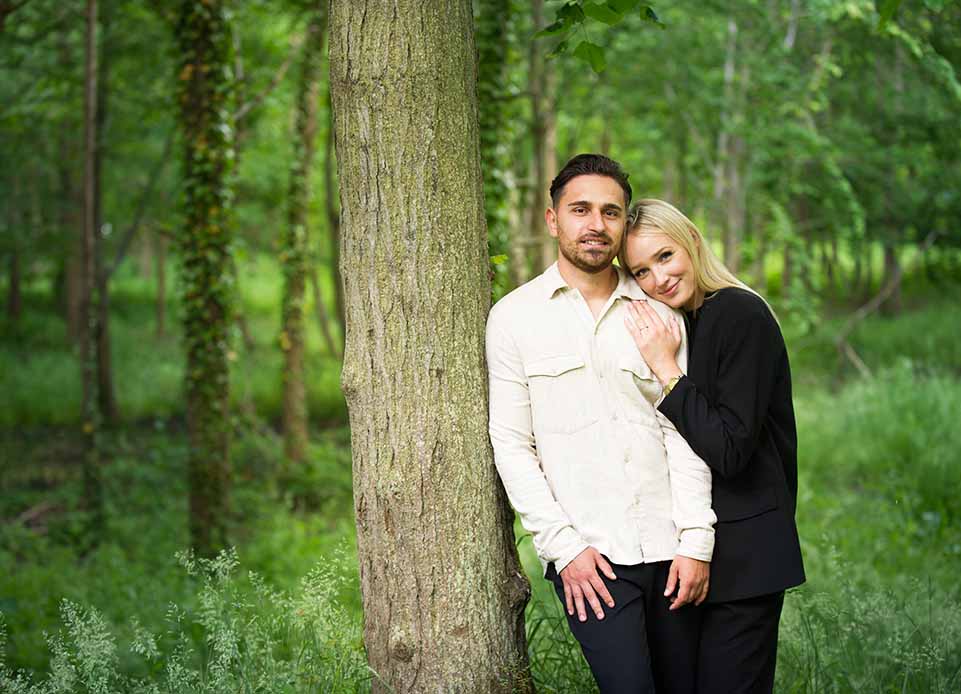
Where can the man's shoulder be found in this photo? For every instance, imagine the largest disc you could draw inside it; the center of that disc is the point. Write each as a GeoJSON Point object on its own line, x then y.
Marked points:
{"type": "Point", "coordinates": [519, 303]}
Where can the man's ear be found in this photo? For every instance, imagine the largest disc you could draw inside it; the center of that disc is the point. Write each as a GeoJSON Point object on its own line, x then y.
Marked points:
{"type": "Point", "coordinates": [550, 216]}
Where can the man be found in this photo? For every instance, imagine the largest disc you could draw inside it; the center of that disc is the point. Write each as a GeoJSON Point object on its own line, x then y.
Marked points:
{"type": "Point", "coordinates": [618, 505]}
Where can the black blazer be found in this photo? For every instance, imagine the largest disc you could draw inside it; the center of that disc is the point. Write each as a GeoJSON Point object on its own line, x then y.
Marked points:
{"type": "Point", "coordinates": [734, 409]}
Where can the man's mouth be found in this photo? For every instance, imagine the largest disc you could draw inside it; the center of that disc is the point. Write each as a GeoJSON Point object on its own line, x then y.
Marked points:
{"type": "Point", "coordinates": [595, 242]}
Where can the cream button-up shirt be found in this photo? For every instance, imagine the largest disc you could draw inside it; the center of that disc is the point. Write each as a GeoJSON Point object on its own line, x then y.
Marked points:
{"type": "Point", "coordinates": [585, 457]}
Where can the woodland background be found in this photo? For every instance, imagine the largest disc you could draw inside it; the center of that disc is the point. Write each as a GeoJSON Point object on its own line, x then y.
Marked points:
{"type": "Point", "coordinates": [161, 270]}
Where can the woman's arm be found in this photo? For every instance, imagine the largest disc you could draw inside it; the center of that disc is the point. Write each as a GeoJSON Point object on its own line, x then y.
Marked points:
{"type": "Point", "coordinates": [726, 433]}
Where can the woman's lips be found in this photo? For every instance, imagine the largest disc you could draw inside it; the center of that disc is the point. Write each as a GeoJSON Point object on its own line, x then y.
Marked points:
{"type": "Point", "coordinates": [672, 290]}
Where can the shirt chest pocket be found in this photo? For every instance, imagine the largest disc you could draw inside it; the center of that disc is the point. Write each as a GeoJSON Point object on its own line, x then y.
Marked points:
{"type": "Point", "coordinates": [638, 381]}
{"type": "Point", "coordinates": [560, 394]}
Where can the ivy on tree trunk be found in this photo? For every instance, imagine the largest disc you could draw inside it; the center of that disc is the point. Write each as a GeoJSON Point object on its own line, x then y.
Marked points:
{"type": "Point", "coordinates": [205, 99]}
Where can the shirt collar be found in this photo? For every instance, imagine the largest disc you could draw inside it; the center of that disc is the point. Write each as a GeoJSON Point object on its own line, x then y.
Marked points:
{"type": "Point", "coordinates": [626, 287]}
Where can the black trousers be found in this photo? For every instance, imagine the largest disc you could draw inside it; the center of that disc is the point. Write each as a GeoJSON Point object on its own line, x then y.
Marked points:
{"type": "Point", "coordinates": [640, 646]}
{"type": "Point", "coordinates": [738, 647]}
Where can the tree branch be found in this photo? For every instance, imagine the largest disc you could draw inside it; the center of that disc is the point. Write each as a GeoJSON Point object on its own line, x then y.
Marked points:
{"type": "Point", "coordinates": [248, 106]}
{"type": "Point", "coordinates": [141, 207]}
{"type": "Point", "coordinates": [872, 305]}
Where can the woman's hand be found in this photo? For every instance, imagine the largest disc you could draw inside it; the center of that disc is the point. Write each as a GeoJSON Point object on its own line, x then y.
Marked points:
{"type": "Point", "coordinates": [656, 340]}
{"type": "Point", "coordinates": [691, 578]}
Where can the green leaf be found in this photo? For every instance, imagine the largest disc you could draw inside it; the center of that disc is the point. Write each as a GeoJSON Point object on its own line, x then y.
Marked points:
{"type": "Point", "coordinates": [571, 13]}
{"type": "Point", "coordinates": [557, 27]}
{"type": "Point", "coordinates": [602, 13]}
{"type": "Point", "coordinates": [649, 15]}
{"type": "Point", "coordinates": [559, 49]}
{"type": "Point", "coordinates": [592, 54]}
{"type": "Point", "coordinates": [886, 10]}
{"type": "Point", "coordinates": [622, 6]}
{"type": "Point", "coordinates": [499, 259]}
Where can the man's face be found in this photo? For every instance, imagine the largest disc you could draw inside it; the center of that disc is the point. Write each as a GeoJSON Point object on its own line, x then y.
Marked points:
{"type": "Point", "coordinates": [588, 223]}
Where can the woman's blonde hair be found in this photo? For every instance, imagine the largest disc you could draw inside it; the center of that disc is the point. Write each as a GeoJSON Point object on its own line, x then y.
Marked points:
{"type": "Point", "coordinates": [659, 217]}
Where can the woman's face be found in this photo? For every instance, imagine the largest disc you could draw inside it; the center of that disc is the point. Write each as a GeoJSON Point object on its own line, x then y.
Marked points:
{"type": "Point", "coordinates": [663, 269]}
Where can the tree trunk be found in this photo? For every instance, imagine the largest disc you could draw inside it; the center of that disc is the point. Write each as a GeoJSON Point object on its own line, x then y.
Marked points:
{"type": "Point", "coordinates": [544, 135]}
{"type": "Point", "coordinates": [441, 584]}
{"type": "Point", "coordinates": [14, 297]}
{"type": "Point", "coordinates": [892, 305]}
{"type": "Point", "coordinates": [160, 260]}
{"type": "Point", "coordinates": [93, 488]}
{"type": "Point", "coordinates": [295, 244]}
{"type": "Point", "coordinates": [333, 221]}
{"type": "Point", "coordinates": [106, 393]}
{"type": "Point", "coordinates": [205, 90]}
{"type": "Point", "coordinates": [72, 285]}
{"type": "Point", "coordinates": [493, 21]}
{"type": "Point", "coordinates": [323, 318]}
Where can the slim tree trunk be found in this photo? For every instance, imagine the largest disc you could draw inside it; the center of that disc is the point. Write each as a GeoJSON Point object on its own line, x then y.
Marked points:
{"type": "Point", "coordinates": [106, 393]}
{"type": "Point", "coordinates": [93, 492]}
{"type": "Point", "coordinates": [160, 264]}
{"type": "Point", "coordinates": [333, 220]}
{"type": "Point", "coordinates": [295, 244]}
{"type": "Point", "coordinates": [71, 224]}
{"type": "Point", "coordinates": [442, 589]}
{"type": "Point", "coordinates": [205, 91]}
{"type": "Point", "coordinates": [892, 305]}
{"type": "Point", "coordinates": [544, 135]}
{"type": "Point", "coordinates": [492, 23]}
{"type": "Point", "coordinates": [14, 297]}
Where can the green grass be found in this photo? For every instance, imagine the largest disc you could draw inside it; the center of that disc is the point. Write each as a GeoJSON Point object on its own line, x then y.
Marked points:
{"type": "Point", "coordinates": [878, 514]}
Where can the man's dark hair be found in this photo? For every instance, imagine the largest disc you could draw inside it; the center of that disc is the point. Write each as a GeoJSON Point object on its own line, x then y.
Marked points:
{"type": "Point", "coordinates": [589, 165]}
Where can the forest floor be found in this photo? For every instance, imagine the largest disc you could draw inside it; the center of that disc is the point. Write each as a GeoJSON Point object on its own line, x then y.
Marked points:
{"type": "Point", "coordinates": [878, 512]}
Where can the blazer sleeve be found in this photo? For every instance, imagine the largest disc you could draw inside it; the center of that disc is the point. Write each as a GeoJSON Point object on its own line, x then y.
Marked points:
{"type": "Point", "coordinates": [725, 433]}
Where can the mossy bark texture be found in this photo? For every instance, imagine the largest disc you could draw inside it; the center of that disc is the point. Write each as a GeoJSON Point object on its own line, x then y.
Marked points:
{"type": "Point", "coordinates": [208, 275]}
{"type": "Point", "coordinates": [442, 588]}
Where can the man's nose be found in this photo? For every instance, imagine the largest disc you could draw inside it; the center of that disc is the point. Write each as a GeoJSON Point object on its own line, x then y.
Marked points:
{"type": "Point", "coordinates": [597, 220]}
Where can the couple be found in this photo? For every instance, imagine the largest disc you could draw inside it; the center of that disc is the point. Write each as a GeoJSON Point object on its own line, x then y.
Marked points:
{"type": "Point", "coordinates": [647, 491]}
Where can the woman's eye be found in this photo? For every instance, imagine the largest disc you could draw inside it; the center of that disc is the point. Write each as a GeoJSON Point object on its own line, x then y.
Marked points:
{"type": "Point", "coordinates": [666, 255]}
{"type": "Point", "coordinates": [640, 273]}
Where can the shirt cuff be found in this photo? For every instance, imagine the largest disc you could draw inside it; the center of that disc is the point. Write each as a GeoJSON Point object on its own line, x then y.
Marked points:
{"type": "Point", "coordinates": [697, 543]}
{"type": "Point", "coordinates": [572, 546]}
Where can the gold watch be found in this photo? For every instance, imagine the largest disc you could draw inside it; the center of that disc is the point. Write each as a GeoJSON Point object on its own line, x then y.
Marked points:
{"type": "Point", "coordinates": [670, 386]}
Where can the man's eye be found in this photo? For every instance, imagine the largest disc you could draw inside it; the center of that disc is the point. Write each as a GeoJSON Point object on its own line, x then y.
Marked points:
{"type": "Point", "coordinates": [577, 210]}
{"type": "Point", "coordinates": [613, 214]}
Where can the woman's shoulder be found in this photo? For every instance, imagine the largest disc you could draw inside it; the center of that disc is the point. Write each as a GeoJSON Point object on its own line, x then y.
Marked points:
{"type": "Point", "coordinates": [736, 299]}
{"type": "Point", "coordinates": [734, 308]}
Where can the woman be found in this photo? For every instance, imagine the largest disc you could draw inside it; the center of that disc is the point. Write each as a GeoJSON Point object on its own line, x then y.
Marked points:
{"type": "Point", "coordinates": [734, 409]}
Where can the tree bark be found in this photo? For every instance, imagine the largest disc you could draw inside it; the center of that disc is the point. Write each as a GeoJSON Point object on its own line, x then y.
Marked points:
{"type": "Point", "coordinates": [441, 584]}
{"type": "Point", "coordinates": [295, 244]}
{"type": "Point", "coordinates": [205, 91]}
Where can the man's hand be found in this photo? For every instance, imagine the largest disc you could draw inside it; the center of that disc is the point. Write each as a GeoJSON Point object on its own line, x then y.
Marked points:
{"type": "Point", "coordinates": [693, 576]}
{"type": "Point", "coordinates": [581, 582]}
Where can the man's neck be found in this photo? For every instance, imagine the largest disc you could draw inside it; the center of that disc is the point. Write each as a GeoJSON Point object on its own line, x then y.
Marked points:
{"type": "Point", "coordinates": [593, 286]}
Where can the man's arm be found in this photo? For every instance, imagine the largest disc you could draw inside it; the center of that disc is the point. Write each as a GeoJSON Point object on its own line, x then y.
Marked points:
{"type": "Point", "coordinates": [512, 436]}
